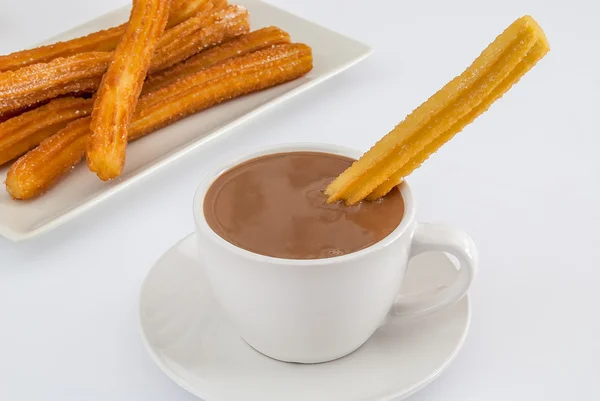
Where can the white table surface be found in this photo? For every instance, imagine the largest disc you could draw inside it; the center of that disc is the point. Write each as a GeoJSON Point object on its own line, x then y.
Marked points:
{"type": "Point", "coordinates": [523, 180]}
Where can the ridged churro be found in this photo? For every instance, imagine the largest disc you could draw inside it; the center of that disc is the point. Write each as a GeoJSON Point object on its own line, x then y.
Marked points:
{"type": "Point", "coordinates": [36, 131]}
{"type": "Point", "coordinates": [13, 113]}
{"type": "Point", "coordinates": [36, 83]}
{"type": "Point", "coordinates": [183, 41]}
{"type": "Point", "coordinates": [181, 10]}
{"type": "Point", "coordinates": [537, 52]}
{"type": "Point", "coordinates": [102, 41]}
{"type": "Point", "coordinates": [443, 115]}
{"type": "Point", "coordinates": [232, 78]}
{"type": "Point", "coordinates": [42, 167]}
{"type": "Point", "coordinates": [26, 131]}
{"type": "Point", "coordinates": [239, 46]}
{"type": "Point", "coordinates": [121, 87]}
{"type": "Point", "coordinates": [83, 72]}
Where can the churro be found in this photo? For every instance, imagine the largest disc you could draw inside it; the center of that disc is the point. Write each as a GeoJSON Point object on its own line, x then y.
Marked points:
{"type": "Point", "coordinates": [239, 46]}
{"type": "Point", "coordinates": [184, 40]}
{"type": "Point", "coordinates": [121, 86]}
{"type": "Point", "coordinates": [102, 41]}
{"type": "Point", "coordinates": [26, 131]}
{"type": "Point", "coordinates": [537, 52]}
{"type": "Point", "coordinates": [443, 115]}
{"type": "Point", "coordinates": [83, 72]}
{"type": "Point", "coordinates": [36, 83]}
{"type": "Point", "coordinates": [32, 131]}
{"type": "Point", "coordinates": [42, 167]}
{"type": "Point", "coordinates": [232, 78]}
{"type": "Point", "coordinates": [219, 3]}
{"type": "Point", "coordinates": [181, 10]}
{"type": "Point", "coordinates": [13, 113]}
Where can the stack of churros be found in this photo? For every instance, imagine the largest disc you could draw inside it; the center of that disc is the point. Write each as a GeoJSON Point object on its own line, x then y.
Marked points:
{"type": "Point", "coordinates": [443, 115]}
{"type": "Point", "coordinates": [86, 98]}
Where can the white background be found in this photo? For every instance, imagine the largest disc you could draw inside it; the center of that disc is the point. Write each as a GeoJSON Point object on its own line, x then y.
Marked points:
{"type": "Point", "coordinates": [523, 180]}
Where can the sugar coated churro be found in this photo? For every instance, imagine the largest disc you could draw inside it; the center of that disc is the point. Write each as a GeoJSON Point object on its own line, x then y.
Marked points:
{"type": "Point", "coordinates": [41, 168]}
{"type": "Point", "coordinates": [83, 72]}
{"type": "Point", "coordinates": [26, 131]}
{"type": "Point", "coordinates": [443, 115]}
{"type": "Point", "coordinates": [232, 78]}
{"type": "Point", "coordinates": [36, 83]}
{"type": "Point", "coordinates": [102, 41]}
{"type": "Point", "coordinates": [184, 40]}
{"type": "Point", "coordinates": [121, 86]}
{"type": "Point", "coordinates": [243, 44]}
{"type": "Point", "coordinates": [181, 10]}
{"type": "Point", "coordinates": [47, 120]}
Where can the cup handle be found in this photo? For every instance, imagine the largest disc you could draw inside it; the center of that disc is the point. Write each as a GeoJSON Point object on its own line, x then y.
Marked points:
{"type": "Point", "coordinates": [434, 237]}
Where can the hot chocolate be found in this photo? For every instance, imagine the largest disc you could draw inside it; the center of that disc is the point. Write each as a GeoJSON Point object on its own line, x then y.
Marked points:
{"type": "Point", "coordinates": [275, 206]}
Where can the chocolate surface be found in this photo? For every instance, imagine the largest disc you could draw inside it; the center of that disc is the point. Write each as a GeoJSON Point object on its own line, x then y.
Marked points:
{"type": "Point", "coordinates": [274, 205]}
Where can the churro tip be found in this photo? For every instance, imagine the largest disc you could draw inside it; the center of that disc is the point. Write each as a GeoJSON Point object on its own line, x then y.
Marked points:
{"type": "Point", "coordinates": [531, 22]}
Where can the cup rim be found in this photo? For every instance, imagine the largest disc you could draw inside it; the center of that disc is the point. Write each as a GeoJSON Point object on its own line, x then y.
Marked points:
{"type": "Point", "coordinates": [202, 227]}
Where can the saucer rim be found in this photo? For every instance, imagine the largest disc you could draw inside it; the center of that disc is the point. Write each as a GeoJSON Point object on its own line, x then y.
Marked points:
{"type": "Point", "coordinates": [394, 394]}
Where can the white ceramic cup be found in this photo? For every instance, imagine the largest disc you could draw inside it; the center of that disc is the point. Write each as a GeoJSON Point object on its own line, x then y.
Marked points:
{"type": "Point", "coordinates": [311, 311]}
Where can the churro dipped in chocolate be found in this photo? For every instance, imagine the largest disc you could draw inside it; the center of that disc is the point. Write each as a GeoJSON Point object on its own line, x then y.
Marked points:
{"type": "Point", "coordinates": [446, 113]}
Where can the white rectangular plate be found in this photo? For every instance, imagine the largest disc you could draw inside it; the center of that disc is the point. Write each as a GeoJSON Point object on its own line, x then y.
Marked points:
{"type": "Point", "coordinates": [332, 54]}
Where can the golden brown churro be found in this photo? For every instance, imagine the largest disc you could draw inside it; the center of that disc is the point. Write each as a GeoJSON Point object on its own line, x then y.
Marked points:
{"type": "Point", "coordinates": [41, 168]}
{"type": "Point", "coordinates": [83, 72]}
{"type": "Point", "coordinates": [39, 130]}
{"type": "Point", "coordinates": [121, 86]}
{"type": "Point", "coordinates": [36, 83]}
{"type": "Point", "coordinates": [219, 4]}
{"type": "Point", "coordinates": [447, 112]}
{"type": "Point", "coordinates": [224, 81]}
{"type": "Point", "coordinates": [13, 113]}
{"type": "Point", "coordinates": [181, 10]}
{"type": "Point", "coordinates": [184, 40]}
{"type": "Point", "coordinates": [538, 51]}
{"type": "Point", "coordinates": [102, 41]}
{"type": "Point", "coordinates": [26, 131]}
{"type": "Point", "coordinates": [239, 46]}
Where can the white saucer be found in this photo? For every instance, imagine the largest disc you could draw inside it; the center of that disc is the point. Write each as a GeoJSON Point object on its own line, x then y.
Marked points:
{"type": "Point", "coordinates": [191, 340]}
